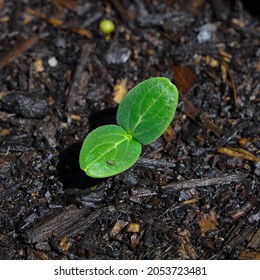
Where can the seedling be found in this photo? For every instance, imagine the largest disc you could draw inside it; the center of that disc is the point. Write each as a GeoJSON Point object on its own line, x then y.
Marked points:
{"type": "Point", "coordinates": [142, 116]}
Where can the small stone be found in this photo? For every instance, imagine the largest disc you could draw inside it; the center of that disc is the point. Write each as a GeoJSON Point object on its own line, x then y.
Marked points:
{"type": "Point", "coordinates": [206, 32]}
{"type": "Point", "coordinates": [52, 61]}
{"type": "Point", "coordinates": [117, 54]}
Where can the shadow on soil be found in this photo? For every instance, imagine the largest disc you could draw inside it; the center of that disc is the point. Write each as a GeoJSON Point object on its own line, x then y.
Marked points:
{"type": "Point", "coordinates": [68, 169]}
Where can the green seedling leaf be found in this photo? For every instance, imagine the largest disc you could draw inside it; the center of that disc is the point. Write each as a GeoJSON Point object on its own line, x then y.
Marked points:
{"type": "Point", "coordinates": [147, 109]}
{"type": "Point", "coordinates": [107, 151]}
{"type": "Point", "coordinates": [142, 116]}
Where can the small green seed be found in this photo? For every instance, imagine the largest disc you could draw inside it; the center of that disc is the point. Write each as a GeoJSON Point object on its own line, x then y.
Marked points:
{"type": "Point", "coordinates": [106, 26]}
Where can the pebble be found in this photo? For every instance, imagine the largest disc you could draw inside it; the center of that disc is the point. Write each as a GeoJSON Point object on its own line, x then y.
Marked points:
{"type": "Point", "coordinates": [117, 54]}
{"type": "Point", "coordinates": [206, 32]}
{"type": "Point", "coordinates": [52, 61]}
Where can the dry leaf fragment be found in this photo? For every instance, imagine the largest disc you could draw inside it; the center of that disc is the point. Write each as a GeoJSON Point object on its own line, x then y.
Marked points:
{"type": "Point", "coordinates": [238, 152]}
{"type": "Point", "coordinates": [208, 222]}
{"type": "Point", "coordinates": [119, 91]}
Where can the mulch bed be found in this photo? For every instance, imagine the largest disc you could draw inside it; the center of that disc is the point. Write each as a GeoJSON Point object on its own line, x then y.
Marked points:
{"type": "Point", "coordinates": [193, 194]}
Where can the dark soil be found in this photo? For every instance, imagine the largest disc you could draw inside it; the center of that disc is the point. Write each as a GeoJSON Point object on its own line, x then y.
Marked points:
{"type": "Point", "coordinates": [194, 193]}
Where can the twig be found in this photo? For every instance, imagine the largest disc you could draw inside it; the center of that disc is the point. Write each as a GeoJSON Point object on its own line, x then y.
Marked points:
{"type": "Point", "coordinates": [231, 132]}
{"type": "Point", "coordinates": [59, 222]}
{"type": "Point", "coordinates": [80, 80]}
{"type": "Point", "coordinates": [121, 10]}
{"type": "Point", "coordinates": [17, 51]}
{"type": "Point", "coordinates": [204, 182]}
{"type": "Point", "coordinates": [154, 163]}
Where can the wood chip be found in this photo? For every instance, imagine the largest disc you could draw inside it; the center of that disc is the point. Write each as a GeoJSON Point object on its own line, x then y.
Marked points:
{"type": "Point", "coordinates": [238, 152]}
{"type": "Point", "coordinates": [169, 134]}
{"type": "Point", "coordinates": [77, 87]}
{"type": "Point", "coordinates": [35, 13]}
{"type": "Point", "coordinates": [4, 131]}
{"type": "Point", "coordinates": [135, 240]}
{"type": "Point", "coordinates": [196, 183]}
{"type": "Point", "coordinates": [211, 61]}
{"type": "Point", "coordinates": [231, 132]}
{"type": "Point", "coordinates": [189, 201]}
{"type": "Point", "coordinates": [41, 255]}
{"type": "Point", "coordinates": [225, 55]}
{"type": "Point", "coordinates": [51, 101]}
{"type": "Point", "coordinates": [2, 4]}
{"type": "Point", "coordinates": [184, 78]}
{"type": "Point", "coordinates": [246, 255]}
{"type": "Point", "coordinates": [238, 22]}
{"type": "Point", "coordinates": [59, 221]}
{"type": "Point", "coordinates": [17, 51]}
{"type": "Point", "coordinates": [133, 227]}
{"type": "Point", "coordinates": [69, 4]}
{"type": "Point", "coordinates": [4, 19]}
{"type": "Point", "coordinates": [223, 72]}
{"type": "Point", "coordinates": [232, 81]}
{"type": "Point", "coordinates": [55, 21]}
{"type": "Point", "coordinates": [75, 117]}
{"type": "Point", "coordinates": [65, 243]}
{"type": "Point", "coordinates": [186, 250]}
{"type": "Point", "coordinates": [211, 126]}
{"type": "Point", "coordinates": [118, 226]}
{"type": "Point", "coordinates": [83, 32]}
{"type": "Point", "coordinates": [208, 222]}
{"type": "Point", "coordinates": [120, 10]}
{"type": "Point", "coordinates": [255, 240]}
{"type": "Point", "coordinates": [38, 65]}
{"type": "Point", "coordinates": [244, 142]}
{"type": "Point", "coordinates": [119, 91]}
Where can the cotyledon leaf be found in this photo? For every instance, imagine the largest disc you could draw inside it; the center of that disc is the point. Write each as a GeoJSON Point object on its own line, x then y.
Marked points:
{"type": "Point", "coordinates": [107, 151]}
{"type": "Point", "coordinates": [148, 108]}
